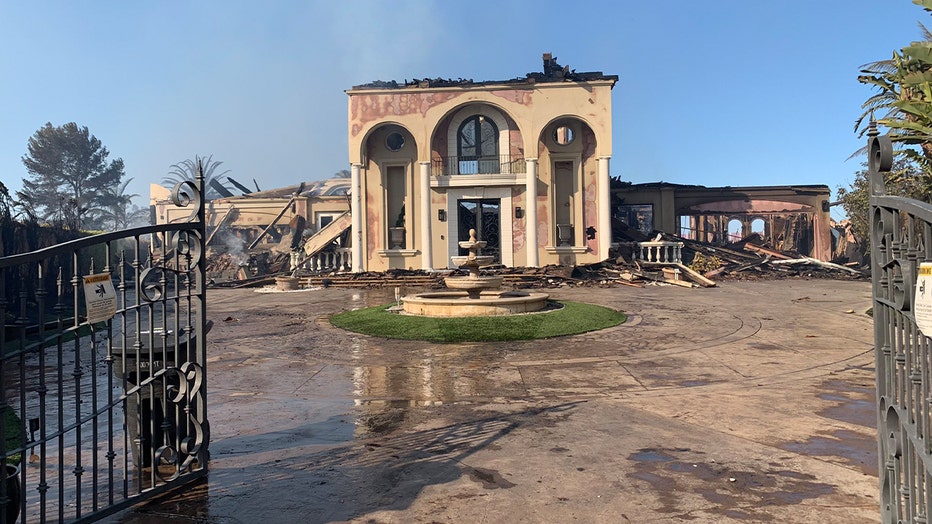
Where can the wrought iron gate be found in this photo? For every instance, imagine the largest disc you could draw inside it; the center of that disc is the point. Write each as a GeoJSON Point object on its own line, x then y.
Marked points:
{"type": "Point", "coordinates": [102, 370]}
{"type": "Point", "coordinates": [901, 239]}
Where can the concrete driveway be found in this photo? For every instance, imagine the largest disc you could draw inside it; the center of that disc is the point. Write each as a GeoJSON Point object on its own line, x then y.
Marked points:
{"type": "Point", "coordinates": [749, 402]}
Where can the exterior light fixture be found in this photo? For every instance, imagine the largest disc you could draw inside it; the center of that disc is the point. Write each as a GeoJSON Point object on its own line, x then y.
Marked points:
{"type": "Point", "coordinates": [442, 215]}
{"type": "Point", "coordinates": [519, 213]}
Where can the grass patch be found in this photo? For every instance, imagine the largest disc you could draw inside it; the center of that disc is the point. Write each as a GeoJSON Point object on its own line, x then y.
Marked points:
{"type": "Point", "coordinates": [570, 319]}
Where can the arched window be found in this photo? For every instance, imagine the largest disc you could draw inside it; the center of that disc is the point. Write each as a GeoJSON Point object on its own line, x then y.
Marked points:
{"type": "Point", "coordinates": [477, 146]}
{"type": "Point", "coordinates": [758, 226]}
{"type": "Point", "coordinates": [735, 230]}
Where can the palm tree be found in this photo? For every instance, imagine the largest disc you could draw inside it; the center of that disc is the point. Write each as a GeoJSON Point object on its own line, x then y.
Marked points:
{"type": "Point", "coordinates": [119, 212]}
{"type": "Point", "coordinates": [187, 170]}
{"type": "Point", "coordinates": [904, 102]}
{"type": "Point", "coordinates": [903, 98]}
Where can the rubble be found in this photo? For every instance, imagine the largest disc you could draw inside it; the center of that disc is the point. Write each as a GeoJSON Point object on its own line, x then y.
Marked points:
{"type": "Point", "coordinates": [701, 265]}
{"type": "Point", "coordinates": [752, 259]}
{"type": "Point", "coordinates": [237, 269]}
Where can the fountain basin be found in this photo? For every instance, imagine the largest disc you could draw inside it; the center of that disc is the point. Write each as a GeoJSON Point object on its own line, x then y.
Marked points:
{"type": "Point", "coordinates": [469, 283]}
{"type": "Point", "coordinates": [477, 261]}
{"type": "Point", "coordinates": [458, 303]}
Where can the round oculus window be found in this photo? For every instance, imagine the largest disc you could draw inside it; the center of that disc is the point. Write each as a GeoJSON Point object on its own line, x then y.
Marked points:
{"type": "Point", "coordinates": [395, 141]}
{"type": "Point", "coordinates": [563, 135]}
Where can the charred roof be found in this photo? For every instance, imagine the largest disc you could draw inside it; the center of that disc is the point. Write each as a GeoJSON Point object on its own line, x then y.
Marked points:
{"type": "Point", "coordinates": [621, 186]}
{"type": "Point", "coordinates": [552, 72]}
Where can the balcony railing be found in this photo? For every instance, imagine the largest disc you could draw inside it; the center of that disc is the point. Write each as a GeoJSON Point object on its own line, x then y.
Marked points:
{"type": "Point", "coordinates": [662, 252]}
{"type": "Point", "coordinates": [339, 259]}
{"type": "Point", "coordinates": [474, 165]}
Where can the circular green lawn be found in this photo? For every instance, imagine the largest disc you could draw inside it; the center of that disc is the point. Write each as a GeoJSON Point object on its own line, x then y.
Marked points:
{"type": "Point", "coordinates": [568, 318]}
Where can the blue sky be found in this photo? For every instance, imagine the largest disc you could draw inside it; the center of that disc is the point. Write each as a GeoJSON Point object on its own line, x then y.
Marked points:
{"type": "Point", "coordinates": [719, 92]}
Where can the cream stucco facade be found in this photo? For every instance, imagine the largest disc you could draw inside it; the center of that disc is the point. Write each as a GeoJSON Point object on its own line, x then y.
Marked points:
{"type": "Point", "coordinates": [525, 162]}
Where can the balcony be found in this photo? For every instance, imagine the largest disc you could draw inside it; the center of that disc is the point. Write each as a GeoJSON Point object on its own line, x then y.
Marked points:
{"type": "Point", "coordinates": [478, 165]}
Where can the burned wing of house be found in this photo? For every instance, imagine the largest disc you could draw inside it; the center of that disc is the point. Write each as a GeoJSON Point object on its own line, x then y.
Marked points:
{"type": "Point", "coordinates": [281, 220]}
{"type": "Point", "coordinates": [788, 218]}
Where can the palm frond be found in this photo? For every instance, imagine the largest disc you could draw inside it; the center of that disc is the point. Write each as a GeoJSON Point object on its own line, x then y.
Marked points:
{"type": "Point", "coordinates": [186, 170]}
{"type": "Point", "coordinates": [879, 67]}
{"type": "Point", "coordinates": [926, 34]}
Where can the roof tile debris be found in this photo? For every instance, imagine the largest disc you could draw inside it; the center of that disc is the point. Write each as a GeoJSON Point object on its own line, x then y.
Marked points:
{"type": "Point", "coordinates": [552, 72]}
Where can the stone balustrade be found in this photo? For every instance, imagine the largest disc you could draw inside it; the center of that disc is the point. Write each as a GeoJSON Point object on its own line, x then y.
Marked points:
{"type": "Point", "coordinates": [663, 252]}
{"type": "Point", "coordinates": [337, 260]}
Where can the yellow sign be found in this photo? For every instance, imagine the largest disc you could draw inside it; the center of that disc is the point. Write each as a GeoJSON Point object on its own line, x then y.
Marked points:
{"type": "Point", "coordinates": [100, 297]}
{"type": "Point", "coordinates": [922, 299]}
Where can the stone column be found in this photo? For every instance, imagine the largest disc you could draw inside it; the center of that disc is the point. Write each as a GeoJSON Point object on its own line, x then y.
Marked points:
{"type": "Point", "coordinates": [426, 245]}
{"type": "Point", "coordinates": [356, 212]}
{"type": "Point", "coordinates": [822, 235]}
{"type": "Point", "coordinates": [605, 208]}
{"type": "Point", "coordinates": [530, 214]}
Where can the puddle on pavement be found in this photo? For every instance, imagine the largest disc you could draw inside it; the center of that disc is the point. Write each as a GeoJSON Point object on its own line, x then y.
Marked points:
{"type": "Point", "coordinates": [426, 383]}
{"type": "Point", "coordinates": [694, 383]}
{"type": "Point", "coordinates": [378, 422]}
{"type": "Point", "coordinates": [767, 347]}
{"type": "Point", "coordinates": [651, 455]}
{"type": "Point", "coordinates": [734, 493]}
{"type": "Point", "coordinates": [855, 449]}
{"type": "Point", "coordinates": [855, 404]}
{"type": "Point", "coordinates": [488, 478]}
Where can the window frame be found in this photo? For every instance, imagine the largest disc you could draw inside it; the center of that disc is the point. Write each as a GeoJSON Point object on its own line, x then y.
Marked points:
{"type": "Point", "coordinates": [478, 163]}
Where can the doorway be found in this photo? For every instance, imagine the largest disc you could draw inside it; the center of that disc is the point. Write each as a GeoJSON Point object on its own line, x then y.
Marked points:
{"type": "Point", "coordinates": [483, 215]}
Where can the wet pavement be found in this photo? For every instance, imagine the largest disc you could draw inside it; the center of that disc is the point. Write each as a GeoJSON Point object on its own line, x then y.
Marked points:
{"type": "Point", "coordinates": [749, 402]}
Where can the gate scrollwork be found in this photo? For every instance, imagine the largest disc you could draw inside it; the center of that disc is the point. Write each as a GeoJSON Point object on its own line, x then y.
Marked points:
{"type": "Point", "coordinates": [185, 194]}
{"type": "Point", "coordinates": [900, 230]}
{"type": "Point", "coordinates": [185, 391]}
{"type": "Point", "coordinates": [122, 399]}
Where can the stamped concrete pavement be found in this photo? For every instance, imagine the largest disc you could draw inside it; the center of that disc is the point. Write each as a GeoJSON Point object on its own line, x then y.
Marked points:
{"type": "Point", "coordinates": [748, 402]}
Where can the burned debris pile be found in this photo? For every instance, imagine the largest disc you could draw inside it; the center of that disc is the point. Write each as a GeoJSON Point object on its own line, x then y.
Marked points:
{"type": "Point", "coordinates": [242, 269]}
{"type": "Point", "coordinates": [750, 258]}
{"type": "Point", "coordinates": [675, 261]}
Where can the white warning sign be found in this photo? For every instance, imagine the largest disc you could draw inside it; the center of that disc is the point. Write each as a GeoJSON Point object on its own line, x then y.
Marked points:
{"type": "Point", "coordinates": [922, 303]}
{"type": "Point", "coordinates": [100, 297]}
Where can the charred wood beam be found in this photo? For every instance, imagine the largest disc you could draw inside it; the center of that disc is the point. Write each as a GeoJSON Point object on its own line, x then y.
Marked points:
{"type": "Point", "coordinates": [281, 213]}
{"type": "Point", "coordinates": [218, 187]}
{"type": "Point", "coordinates": [765, 251]}
{"type": "Point", "coordinates": [272, 224]}
{"type": "Point", "coordinates": [226, 216]}
{"type": "Point", "coordinates": [815, 262]}
{"type": "Point", "coordinates": [239, 186]}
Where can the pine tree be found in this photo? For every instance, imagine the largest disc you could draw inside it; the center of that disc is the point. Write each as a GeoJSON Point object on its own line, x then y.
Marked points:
{"type": "Point", "coordinates": [70, 180]}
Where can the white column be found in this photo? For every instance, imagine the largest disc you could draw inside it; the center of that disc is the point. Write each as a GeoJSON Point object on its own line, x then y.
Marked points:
{"type": "Point", "coordinates": [530, 214]}
{"type": "Point", "coordinates": [426, 245]}
{"type": "Point", "coordinates": [356, 212]}
{"type": "Point", "coordinates": [605, 208]}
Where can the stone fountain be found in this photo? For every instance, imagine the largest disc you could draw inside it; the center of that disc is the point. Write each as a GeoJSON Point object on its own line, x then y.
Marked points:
{"type": "Point", "coordinates": [473, 284]}
{"type": "Point", "coordinates": [473, 295]}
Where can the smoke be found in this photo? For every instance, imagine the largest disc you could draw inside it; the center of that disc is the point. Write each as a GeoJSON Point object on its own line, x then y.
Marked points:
{"type": "Point", "coordinates": [377, 50]}
{"type": "Point", "coordinates": [235, 246]}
